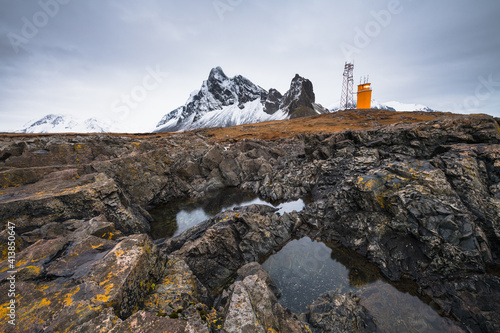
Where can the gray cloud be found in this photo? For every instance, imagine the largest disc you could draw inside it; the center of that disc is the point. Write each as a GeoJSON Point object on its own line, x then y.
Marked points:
{"type": "Point", "coordinates": [90, 53]}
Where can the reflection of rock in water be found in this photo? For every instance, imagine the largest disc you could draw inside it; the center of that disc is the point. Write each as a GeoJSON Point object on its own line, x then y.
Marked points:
{"type": "Point", "coordinates": [400, 312]}
{"type": "Point", "coordinates": [178, 215]}
{"type": "Point", "coordinates": [361, 271]}
{"type": "Point", "coordinates": [305, 269]}
{"type": "Point", "coordinates": [166, 223]}
{"type": "Point", "coordinates": [357, 278]}
{"type": "Point", "coordinates": [181, 214]}
{"type": "Point", "coordinates": [302, 270]}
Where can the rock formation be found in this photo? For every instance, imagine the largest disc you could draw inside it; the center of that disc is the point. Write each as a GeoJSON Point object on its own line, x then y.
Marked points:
{"type": "Point", "coordinates": [223, 102]}
{"type": "Point", "coordinates": [421, 201]}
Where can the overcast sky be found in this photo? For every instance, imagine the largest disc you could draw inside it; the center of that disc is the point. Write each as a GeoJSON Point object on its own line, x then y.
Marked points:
{"type": "Point", "coordinates": [134, 61]}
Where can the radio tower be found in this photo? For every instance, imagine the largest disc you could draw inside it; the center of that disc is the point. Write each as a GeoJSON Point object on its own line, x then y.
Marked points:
{"type": "Point", "coordinates": [347, 99]}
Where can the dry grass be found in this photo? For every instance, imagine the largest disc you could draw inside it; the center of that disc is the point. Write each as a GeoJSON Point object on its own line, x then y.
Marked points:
{"type": "Point", "coordinates": [327, 123]}
{"type": "Point", "coordinates": [274, 130]}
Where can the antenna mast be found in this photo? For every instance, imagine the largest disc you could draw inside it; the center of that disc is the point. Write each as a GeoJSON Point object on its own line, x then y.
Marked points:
{"type": "Point", "coordinates": [347, 99]}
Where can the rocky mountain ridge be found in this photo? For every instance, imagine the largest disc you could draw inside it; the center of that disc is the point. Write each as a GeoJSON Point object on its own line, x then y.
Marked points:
{"type": "Point", "coordinates": [419, 200]}
{"type": "Point", "coordinates": [224, 102]}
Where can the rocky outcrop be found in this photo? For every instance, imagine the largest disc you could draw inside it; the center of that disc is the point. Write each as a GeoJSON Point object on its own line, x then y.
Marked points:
{"type": "Point", "coordinates": [143, 321]}
{"type": "Point", "coordinates": [421, 201]}
{"type": "Point", "coordinates": [65, 282]}
{"type": "Point", "coordinates": [179, 294]}
{"type": "Point", "coordinates": [273, 100]}
{"type": "Point", "coordinates": [299, 100]}
{"type": "Point", "coordinates": [254, 268]}
{"type": "Point", "coordinates": [250, 306]}
{"type": "Point", "coordinates": [223, 102]}
{"type": "Point", "coordinates": [217, 248]}
{"type": "Point", "coordinates": [339, 313]}
{"type": "Point", "coordinates": [55, 199]}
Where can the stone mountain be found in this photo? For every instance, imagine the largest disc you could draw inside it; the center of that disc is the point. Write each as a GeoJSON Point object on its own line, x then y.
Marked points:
{"type": "Point", "coordinates": [224, 102]}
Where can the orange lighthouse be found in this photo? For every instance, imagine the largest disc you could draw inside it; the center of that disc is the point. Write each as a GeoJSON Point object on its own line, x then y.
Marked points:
{"type": "Point", "coordinates": [364, 96]}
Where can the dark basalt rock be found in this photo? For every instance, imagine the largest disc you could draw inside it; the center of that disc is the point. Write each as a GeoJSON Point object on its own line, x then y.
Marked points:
{"type": "Point", "coordinates": [250, 306]}
{"type": "Point", "coordinates": [273, 101]}
{"type": "Point", "coordinates": [339, 313]}
{"type": "Point", "coordinates": [144, 321]}
{"type": "Point", "coordinates": [217, 248]}
{"type": "Point", "coordinates": [300, 95]}
{"type": "Point", "coordinates": [63, 283]}
{"type": "Point", "coordinates": [254, 268]}
{"type": "Point", "coordinates": [421, 201]}
{"type": "Point", "coordinates": [219, 91]}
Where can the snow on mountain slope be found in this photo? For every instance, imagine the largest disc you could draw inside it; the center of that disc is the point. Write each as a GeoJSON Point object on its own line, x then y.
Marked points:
{"type": "Point", "coordinates": [391, 106]}
{"type": "Point", "coordinates": [224, 101]}
{"type": "Point", "coordinates": [58, 123]}
{"type": "Point", "coordinates": [398, 106]}
{"type": "Point", "coordinates": [233, 115]}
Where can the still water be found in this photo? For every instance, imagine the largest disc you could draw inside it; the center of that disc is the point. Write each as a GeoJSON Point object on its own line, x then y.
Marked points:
{"type": "Point", "coordinates": [176, 216]}
{"type": "Point", "coordinates": [304, 269]}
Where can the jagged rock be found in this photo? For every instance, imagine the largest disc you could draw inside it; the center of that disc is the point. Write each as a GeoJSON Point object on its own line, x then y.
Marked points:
{"type": "Point", "coordinates": [298, 101]}
{"type": "Point", "coordinates": [240, 316]}
{"type": "Point", "coordinates": [272, 103]}
{"type": "Point", "coordinates": [254, 268]}
{"type": "Point", "coordinates": [217, 248]}
{"type": "Point", "coordinates": [253, 307]}
{"type": "Point", "coordinates": [31, 263]}
{"type": "Point", "coordinates": [471, 300]}
{"type": "Point", "coordinates": [118, 278]}
{"type": "Point", "coordinates": [339, 313]}
{"type": "Point", "coordinates": [419, 200]}
{"type": "Point", "coordinates": [127, 272]}
{"type": "Point", "coordinates": [143, 321]}
{"type": "Point", "coordinates": [78, 257]}
{"type": "Point", "coordinates": [140, 175]}
{"type": "Point", "coordinates": [177, 294]}
{"type": "Point", "coordinates": [103, 323]}
{"type": "Point", "coordinates": [59, 200]}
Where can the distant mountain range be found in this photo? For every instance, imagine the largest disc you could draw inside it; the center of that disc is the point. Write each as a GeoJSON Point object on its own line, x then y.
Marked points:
{"type": "Point", "coordinates": [58, 123]}
{"type": "Point", "coordinates": [393, 106]}
{"type": "Point", "coordinates": [220, 102]}
{"type": "Point", "coordinates": [223, 102]}
{"type": "Point", "coordinates": [397, 106]}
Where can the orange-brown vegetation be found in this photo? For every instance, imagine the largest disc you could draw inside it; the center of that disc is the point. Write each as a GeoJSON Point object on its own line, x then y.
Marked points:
{"type": "Point", "coordinates": [327, 123]}
{"type": "Point", "coordinates": [274, 130]}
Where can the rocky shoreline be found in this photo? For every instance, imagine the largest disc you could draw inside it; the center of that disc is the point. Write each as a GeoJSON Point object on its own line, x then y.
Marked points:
{"type": "Point", "coordinates": [421, 201]}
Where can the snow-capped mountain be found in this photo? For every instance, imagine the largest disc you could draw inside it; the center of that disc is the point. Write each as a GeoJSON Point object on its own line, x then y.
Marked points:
{"type": "Point", "coordinates": [398, 106]}
{"type": "Point", "coordinates": [391, 106]}
{"type": "Point", "coordinates": [224, 102]}
{"type": "Point", "coordinates": [58, 123]}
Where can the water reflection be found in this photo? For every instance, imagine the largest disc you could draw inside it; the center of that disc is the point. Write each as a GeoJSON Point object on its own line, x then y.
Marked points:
{"type": "Point", "coordinates": [178, 215]}
{"type": "Point", "coordinates": [304, 269]}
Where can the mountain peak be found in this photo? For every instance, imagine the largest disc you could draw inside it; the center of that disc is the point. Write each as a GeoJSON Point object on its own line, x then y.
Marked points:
{"type": "Point", "coordinates": [224, 102]}
{"type": "Point", "coordinates": [60, 123]}
{"type": "Point", "coordinates": [300, 98]}
{"type": "Point", "coordinates": [217, 73]}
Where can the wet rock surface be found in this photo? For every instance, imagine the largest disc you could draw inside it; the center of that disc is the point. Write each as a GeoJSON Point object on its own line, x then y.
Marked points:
{"type": "Point", "coordinates": [420, 201]}
{"type": "Point", "coordinates": [250, 306]}
{"type": "Point", "coordinates": [217, 248]}
{"type": "Point", "coordinates": [340, 313]}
